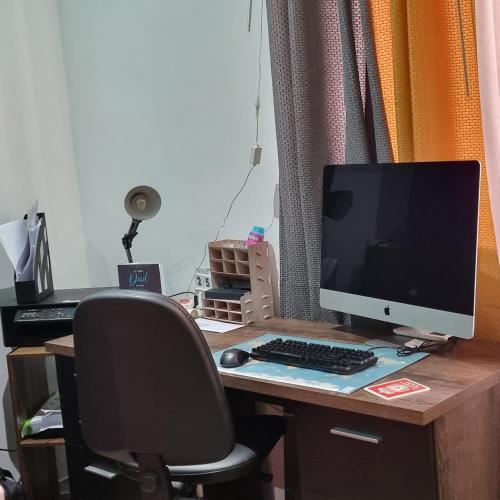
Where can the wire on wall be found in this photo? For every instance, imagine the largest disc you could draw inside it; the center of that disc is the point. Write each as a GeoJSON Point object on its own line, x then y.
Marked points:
{"type": "Point", "coordinates": [250, 8]}
{"type": "Point", "coordinates": [270, 225]}
{"type": "Point", "coordinates": [219, 229]}
{"type": "Point", "coordinates": [257, 115]}
{"type": "Point", "coordinates": [259, 81]}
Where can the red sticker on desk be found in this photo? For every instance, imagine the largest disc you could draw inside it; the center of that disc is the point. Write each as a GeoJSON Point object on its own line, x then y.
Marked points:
{"type": "Point", "coordinates": [396, 388]}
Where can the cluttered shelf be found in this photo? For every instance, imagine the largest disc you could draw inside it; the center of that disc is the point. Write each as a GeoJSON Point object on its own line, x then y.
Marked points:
{"type": "Point", "coordinates": [30, 388]}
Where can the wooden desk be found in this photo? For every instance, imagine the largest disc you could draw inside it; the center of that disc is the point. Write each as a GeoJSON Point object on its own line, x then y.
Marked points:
{"type": "Point", "coordinates": [442, 444]}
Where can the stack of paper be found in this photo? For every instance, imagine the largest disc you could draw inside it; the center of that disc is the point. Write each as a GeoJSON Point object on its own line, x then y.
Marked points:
{"type": "Point", "coordinates": [19, 239]}
{"type": "Point", "coordinates": [210, 325]}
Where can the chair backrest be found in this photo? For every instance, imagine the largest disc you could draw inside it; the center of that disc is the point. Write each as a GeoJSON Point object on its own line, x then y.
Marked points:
{"type": "Point", "coordinates": [146, 380]}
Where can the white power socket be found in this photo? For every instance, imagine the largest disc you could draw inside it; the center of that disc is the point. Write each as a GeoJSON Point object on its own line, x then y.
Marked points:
{"type": "Point", "coordinates": [255, 154]}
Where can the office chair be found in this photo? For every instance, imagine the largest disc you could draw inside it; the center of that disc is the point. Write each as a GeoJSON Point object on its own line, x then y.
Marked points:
{"type": "Point", "coordinates": [151, 399]}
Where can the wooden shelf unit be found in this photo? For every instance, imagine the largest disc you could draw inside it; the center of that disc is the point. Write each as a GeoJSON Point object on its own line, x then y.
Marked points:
{"type": "Point", "coordinates": [29, 442]}
{"type": "Point", "coordinates": [29, 389]}
{"type": "Point", "coordinates": [233, 263]}
{"type": "Point", "coordinates": [222, 310]}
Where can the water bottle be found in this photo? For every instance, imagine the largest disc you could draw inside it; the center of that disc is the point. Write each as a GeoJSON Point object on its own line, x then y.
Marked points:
{"type": "Point", "coordinates": [256, 236]}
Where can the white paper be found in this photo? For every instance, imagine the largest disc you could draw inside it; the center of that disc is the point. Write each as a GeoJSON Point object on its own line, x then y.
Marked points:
{"type": "Point", "coordinates": [14, 240]}
{"type": "Point", "coordinates": [19, 240]}
{"type": "Point", "coordinates": [34, 225]}
{"type": "Point", "coordinates": [25, 270]}
{"type": "Point", "coordinates": [210, 325]}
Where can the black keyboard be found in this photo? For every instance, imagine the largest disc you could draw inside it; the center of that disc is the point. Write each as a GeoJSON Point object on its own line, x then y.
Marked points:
{"type": "Point", "coordinates": [321, 357]}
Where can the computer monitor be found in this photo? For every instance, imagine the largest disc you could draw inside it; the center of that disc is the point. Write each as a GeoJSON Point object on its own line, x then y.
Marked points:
{"type": "Point", "coordinates": [399, 244]}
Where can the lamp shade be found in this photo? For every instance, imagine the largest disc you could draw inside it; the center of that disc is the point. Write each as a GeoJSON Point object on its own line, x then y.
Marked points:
{"type": "Point", "coordinates": [142, 202]}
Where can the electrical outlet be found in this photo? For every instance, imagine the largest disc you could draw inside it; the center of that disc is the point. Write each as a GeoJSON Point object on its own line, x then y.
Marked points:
{"type": "Point", "coordinates": [202, 282]}
{"type": "Point", "coordinates": [255, 154]}
{"type": "Point", "coordinates": [203, 279]}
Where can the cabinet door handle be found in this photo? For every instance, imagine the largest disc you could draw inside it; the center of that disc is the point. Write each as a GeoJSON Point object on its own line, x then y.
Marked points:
{"type": "Point", "coordinates": [359, 436]}
{"type": "Point", "coordinates": [107, 471]}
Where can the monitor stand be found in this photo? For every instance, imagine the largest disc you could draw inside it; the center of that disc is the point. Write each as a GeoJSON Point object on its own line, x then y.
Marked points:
{"type": "Point", "coordinates": [415, 333]}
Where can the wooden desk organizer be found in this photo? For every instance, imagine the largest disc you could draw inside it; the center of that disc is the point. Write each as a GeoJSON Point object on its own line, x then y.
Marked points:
{"type": "Point", "coordinates": [232, 262]}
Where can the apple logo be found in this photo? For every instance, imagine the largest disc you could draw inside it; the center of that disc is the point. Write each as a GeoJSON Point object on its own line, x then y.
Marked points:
{"type": "Point", "coordinates": [387, 311]}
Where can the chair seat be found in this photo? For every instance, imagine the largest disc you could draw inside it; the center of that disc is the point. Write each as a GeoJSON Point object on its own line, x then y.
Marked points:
{"type": "Point", "coordinates": [241, 462]}
{"type": "Point", "coordinates": [256, 435]}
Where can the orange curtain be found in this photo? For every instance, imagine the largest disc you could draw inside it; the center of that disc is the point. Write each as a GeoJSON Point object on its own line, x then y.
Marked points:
{"type": "Point", "coordinates": [426, 52]}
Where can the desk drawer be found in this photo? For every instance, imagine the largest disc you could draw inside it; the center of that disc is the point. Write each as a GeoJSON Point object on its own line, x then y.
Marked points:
{"type": "Point", "coordinates": [346, 456]}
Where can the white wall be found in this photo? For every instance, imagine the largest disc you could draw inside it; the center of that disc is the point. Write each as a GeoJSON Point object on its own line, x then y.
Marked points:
{"type": "Point", "coordinates": [162, 93]}
{"type": "Point", "coordinates": [36, 151]}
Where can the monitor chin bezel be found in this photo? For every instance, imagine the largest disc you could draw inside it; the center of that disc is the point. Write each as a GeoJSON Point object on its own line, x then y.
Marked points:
{"type": "Point", "coordinates": [418, 317]}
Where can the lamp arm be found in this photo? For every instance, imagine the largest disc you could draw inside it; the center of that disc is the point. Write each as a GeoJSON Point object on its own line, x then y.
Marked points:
{"type": "Point", "coordinates": [128, 237]}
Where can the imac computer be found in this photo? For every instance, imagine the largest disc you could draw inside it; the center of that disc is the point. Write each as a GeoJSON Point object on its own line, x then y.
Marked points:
{"type": "Point", "coordinates": [399, 244]}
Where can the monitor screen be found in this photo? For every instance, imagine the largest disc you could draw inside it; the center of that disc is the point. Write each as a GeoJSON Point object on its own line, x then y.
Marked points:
{"type": "Point", "coordinates": [402, 233]}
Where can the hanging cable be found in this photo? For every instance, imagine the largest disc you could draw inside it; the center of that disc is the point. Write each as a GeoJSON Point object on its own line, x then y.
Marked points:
{"type": "Point", "coordinates": [219, 229]}
{"type": "Point", "coordinates": [270, 225]}
{"type": "Point", "coordinates": [256, 149]}
{"type": "Point", "coordinates": [259, 81]}
{"type": "Point", "coordinates": [250, 8]}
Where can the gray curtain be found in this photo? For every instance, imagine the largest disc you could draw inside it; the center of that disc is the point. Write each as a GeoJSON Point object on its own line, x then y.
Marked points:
{"type": "Point", "coordinates": [328, 109]}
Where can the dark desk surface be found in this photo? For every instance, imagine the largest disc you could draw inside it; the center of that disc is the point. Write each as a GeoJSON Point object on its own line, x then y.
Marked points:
{"type": "Point", "coordinates": [471, 368]}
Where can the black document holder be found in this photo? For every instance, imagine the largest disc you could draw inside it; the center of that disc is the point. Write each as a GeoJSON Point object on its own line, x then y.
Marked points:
{"type": "Point", "coordinates": [29, 292]}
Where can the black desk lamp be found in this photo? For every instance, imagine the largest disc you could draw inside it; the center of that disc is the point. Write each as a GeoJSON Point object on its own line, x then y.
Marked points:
{"type": "Point", "coordinates": [141, 203]}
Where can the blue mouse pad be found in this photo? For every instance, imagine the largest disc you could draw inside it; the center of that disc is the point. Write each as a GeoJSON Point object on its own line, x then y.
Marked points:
{"type": "Point", "coordinates": [388, 362]}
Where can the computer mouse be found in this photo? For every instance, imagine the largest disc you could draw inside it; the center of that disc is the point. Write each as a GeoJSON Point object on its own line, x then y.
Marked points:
{"type": "Point", "coordinates": [232, 358]}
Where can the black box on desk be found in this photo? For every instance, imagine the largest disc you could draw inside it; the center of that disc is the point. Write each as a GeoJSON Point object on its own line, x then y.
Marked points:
{"type": "Point", "coordinates": [226, 293]}
{"type": "Point", "coordinates": [41, 286]}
